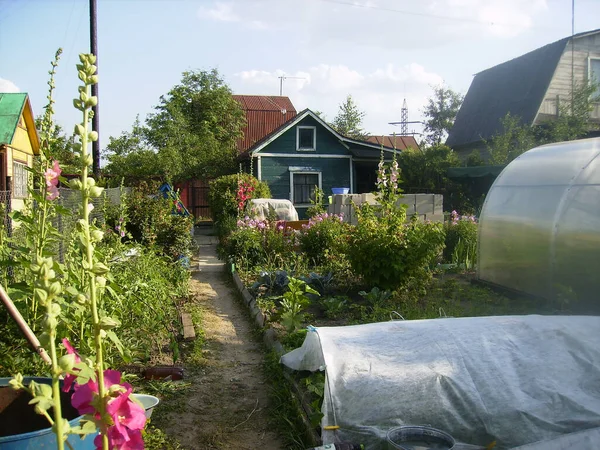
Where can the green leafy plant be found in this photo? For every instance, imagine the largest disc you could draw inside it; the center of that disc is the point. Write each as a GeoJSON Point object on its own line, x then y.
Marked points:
{"type": "Point", "coordinates": [317, 206]}
{"type": "Point", "coordinates": [334, 307]}
{"type": "Point", "coordinates": [294, 301]}
{"type": "Point", "coordinates": [324, 235]}
{"type": "Point", "coordinates": [384, 249]}
{"type": "Point", "coordinates": [375, 296]}
{"type": "Point", "coordinates": [461, 240]}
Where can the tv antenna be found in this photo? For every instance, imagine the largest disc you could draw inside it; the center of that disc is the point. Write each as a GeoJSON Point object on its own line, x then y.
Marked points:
{"type": "Point", "coordinates": [285, 77]}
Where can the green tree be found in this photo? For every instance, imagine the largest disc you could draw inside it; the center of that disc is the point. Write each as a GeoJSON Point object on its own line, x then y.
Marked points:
{"type": "Point", "coordinates": [131, 157]}
{"type": "Point", "coordinates": [349, 119]}
{"type": "Point", "coordinates": [426, 169]}
{"type": "Point", "coordinates": [514, 139]}
{"type": "Point", "coordinates": [440, 112]}
{"type": "Point", "coordinates": [573, 122]}
{"type": "Point", "coordinates": [196, 126]}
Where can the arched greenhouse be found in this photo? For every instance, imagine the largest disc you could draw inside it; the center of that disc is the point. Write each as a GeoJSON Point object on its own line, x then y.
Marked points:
{"type": "Point", "coordinates": [540, 224]}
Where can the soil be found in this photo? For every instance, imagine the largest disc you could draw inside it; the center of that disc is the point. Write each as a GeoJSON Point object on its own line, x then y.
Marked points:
{"type": "Point", "coordinates": [226, 406]}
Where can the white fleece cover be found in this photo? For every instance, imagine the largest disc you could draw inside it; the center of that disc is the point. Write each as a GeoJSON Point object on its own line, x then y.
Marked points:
{"type": "Point", "coordinates": [513, 379]}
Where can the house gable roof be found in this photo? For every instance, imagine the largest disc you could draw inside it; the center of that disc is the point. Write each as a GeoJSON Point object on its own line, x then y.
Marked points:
{"type": "Point", "coordinates": [264, 114]}
{"type": "Point", "coordinates": [347, 142]}
{"type": "Point", "coordinates": [517, 86]}
{"type": "Point", "coordinates": [12, 105]}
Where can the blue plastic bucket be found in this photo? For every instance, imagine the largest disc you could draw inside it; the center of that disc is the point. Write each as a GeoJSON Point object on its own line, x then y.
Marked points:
{"type": "Point", "coordinates": [42, 439]}
{"type": "Point", "coordinates": [337, 191]}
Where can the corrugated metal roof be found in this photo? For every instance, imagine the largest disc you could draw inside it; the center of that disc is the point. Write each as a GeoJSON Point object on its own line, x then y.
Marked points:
{"type": "Point", "coordinates": [264, 114]}
{"type": "Point", "coordinates": [11, 107]}
{"type": "Point", "coordinates": [398, 142]}
{"type": "Point", "coordinates": [265, 103]}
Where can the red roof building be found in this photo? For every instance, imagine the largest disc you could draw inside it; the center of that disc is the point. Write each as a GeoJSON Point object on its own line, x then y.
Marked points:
{"type": "Point", "coordinates": [264, 114]}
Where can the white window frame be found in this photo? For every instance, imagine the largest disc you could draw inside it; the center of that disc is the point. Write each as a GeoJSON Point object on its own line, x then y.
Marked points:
{"type": "Point", "coordinates": [590, 59]}
{"type": "Point", "coordinates": [305, 149]}
{"type": "Point", "coordinates": [20, 180]}
{"type": "Point", "coordinates": [304, 172]}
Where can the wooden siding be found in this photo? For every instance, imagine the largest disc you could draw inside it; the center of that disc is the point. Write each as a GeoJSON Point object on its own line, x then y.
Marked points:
{"type": "Point", "coordinates": [327, 143]}
{"type": "Point", "coordinates": [560, 86]}
{"type": "Point", "coordinates": [275, 171]}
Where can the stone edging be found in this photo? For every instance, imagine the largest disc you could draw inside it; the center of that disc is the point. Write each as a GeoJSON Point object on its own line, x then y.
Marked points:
{"type": "Point", "coordinates": [269, 335]}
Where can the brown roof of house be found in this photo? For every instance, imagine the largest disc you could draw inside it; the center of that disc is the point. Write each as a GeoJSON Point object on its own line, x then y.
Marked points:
{"type": "Point", "coordinates": [264, 114]}
{"type": "Point", "coordinates": [397, 142]}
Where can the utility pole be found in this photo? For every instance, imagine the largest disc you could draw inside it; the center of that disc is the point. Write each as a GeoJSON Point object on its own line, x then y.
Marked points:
{"type": "Point", "coordinates": [96, 117]}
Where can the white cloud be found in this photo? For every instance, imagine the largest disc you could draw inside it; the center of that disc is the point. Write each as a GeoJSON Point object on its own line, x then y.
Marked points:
{"type": "Point", "coordinates": [8, 86]}
{"type": "Point", "coordinates": [221, 12]}
{"type": "Point", "coordinates": [379, 92]}
{"type": "Point", "coordinates": [385, 24]}
{"type": "Point", "coordinates": [497, 18]}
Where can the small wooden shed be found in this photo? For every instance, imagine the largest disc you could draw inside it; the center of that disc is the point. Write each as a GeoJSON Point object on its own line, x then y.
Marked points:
{"type": "Point", "coordinates": [19, 143]}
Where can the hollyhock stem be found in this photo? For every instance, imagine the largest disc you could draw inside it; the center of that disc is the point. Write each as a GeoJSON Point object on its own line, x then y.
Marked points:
{"type": "Point", "coordinates": [89, 254]}
{"type": "Point", "coordinates": [58, 420]}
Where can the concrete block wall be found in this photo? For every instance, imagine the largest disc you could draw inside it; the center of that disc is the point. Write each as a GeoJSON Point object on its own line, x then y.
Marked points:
{"type": "Point", "coordinates": [426, 206]}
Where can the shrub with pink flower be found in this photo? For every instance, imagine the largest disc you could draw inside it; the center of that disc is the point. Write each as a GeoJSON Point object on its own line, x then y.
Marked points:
{"type": "Point", "coordinates": [325, 234]}
{"type": "Point", "coordinates": [461, 233]}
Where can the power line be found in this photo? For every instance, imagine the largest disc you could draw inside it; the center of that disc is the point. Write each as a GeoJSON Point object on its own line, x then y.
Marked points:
{"type": "Point", "coordinates": [421, 14]}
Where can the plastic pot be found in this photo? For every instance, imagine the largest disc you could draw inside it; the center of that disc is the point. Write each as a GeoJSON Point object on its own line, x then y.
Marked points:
{"type": "Point", "coordinates": [22, 429]}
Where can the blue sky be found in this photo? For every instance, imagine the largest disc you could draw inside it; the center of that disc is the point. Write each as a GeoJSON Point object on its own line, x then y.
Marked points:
{"type": "Point", "coordinates": [380, 51]}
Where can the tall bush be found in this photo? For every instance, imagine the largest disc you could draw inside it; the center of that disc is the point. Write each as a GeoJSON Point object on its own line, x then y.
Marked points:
{"type": "Point", "coordinates": [324, 235]}
{"type": "Point", "coordinates": [151, 220]}
{"type": "Point", "coordinates": [385, 250]}
{"type": "Point", "coordinates": [227, 192]}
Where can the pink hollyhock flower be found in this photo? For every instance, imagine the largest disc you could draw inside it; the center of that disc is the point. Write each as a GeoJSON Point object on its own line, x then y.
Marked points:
{"type": "Point", "coordinates": [70, 378]}
{"type": "Point", "coordinates": [128, 418]}
{"type": "Point", "coordinates": [51, 175]}
{"type": "Point", "coordinates": [131, 440]}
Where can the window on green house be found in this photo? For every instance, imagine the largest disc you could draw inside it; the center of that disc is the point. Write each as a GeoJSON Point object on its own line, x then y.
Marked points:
{"type": "Point", "coordinates": [306, 138]}
{"type": "Point", "coordinates": [304, 187]}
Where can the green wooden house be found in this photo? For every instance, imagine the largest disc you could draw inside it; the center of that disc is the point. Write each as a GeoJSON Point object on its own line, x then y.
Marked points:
{"type": "Point", "coordinates": [305, 152]}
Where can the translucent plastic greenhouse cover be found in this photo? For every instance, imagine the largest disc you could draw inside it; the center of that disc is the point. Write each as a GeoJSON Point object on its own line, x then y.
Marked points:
{"type": "Point", "coordinates": [283, 208]}
{"type": "Point", "coordinates": [513, 379]}
{"type": "Point", "coordinates": [539, 229]}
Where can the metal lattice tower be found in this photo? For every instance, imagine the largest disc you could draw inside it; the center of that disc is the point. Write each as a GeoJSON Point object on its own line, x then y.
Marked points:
{"type": "Point", "coordinates": [404, 119]}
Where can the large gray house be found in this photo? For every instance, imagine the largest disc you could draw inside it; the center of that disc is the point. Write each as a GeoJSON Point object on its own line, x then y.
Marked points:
{"type": "Point", "coordinates": [532, 86]}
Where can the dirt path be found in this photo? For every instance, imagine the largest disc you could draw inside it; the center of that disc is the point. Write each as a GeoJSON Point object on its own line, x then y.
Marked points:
{"type": "Point", "coordinates": [226, 406]}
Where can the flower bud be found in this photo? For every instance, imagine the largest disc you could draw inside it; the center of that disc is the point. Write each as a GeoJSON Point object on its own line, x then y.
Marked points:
{"type": "Point", "coordinates": [55, 288]}
{"type": "Point", "coordinates": [96, 191]}
{"type": "Point", "coordinates": [54, 310]}
{"type": "Point", "coordinates": [97, 235]}
{"type": "Point", "coordinates": [100, 268]}
{"type": "Point", "coordinates": [67, 362]}
{"type": "Point", "coordinates": [75, 184]}
{"type": "Point", "coordinates": [93, 135]}
{"type": "Point", "coordinates": [79, 130]}
{"type": "Point", "coordinates": [90, 181]}
{"type": "Point", "coordinates": [101, 281]}
{"type": "Point", "coordinates": [81, 299]}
